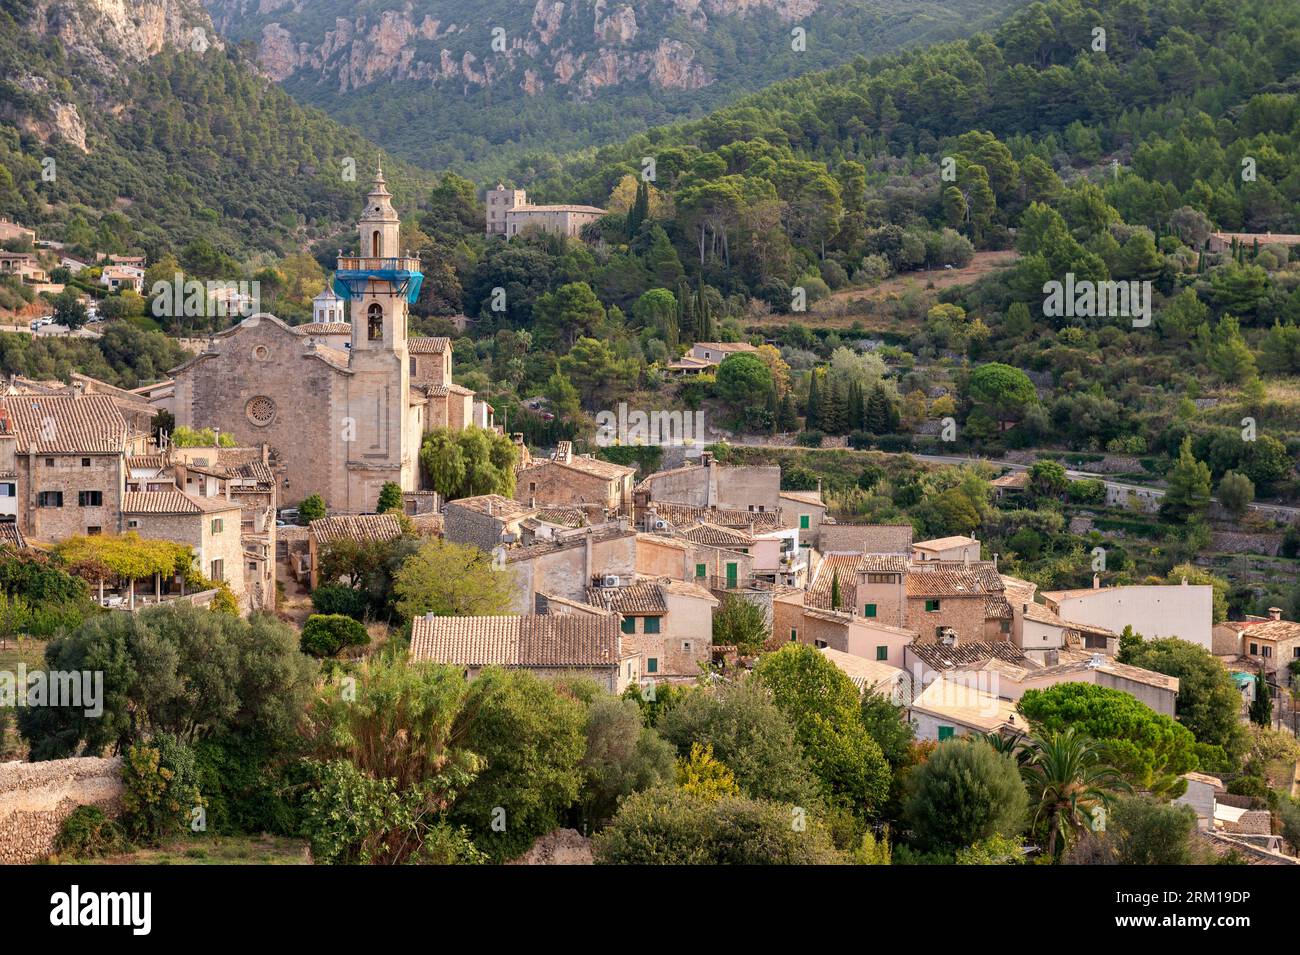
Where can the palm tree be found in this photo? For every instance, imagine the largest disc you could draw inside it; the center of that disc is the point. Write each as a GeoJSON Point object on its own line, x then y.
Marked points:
{"type": "Point", "coordinates": [1067, 782]}
{"type": "Point", "coordinates": [1014, 745]}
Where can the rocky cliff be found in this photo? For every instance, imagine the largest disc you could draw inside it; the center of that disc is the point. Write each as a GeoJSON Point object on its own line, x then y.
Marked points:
{"type": "Point", "coordinates": [581, 45]}
{"type": "Point", "coordinates": [99, 39]}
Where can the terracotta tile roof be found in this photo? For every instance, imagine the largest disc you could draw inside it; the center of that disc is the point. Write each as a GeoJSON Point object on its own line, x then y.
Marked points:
{"type": "Point", "coordinates": [324, 328]}
{"type": "Point", "coordinates": [819, 594]}
{"type": "Point", "coordinates": [923, 582]}
{"type": "Point", "coordinates": [493, 504]}
{"type": "Point", "coordinates": [869, 676]}
{"type": "Point", "coordinates": [684, 514]}
{"type": "Point", "coordinates": [941, 658]}
{"type": "Point", "coordinates": [427, 525]}
{"type": "Point", "coordinates": [1274, 630]}
{"type": "Point", "coordinates": [641, 599]}
{"type": "Point", "coordinates": [715, 536]}
{"type": "Point", "coordinates": [11, 535]}
{"type": "Point", "coordinates": [883, 564]}
{"type": "Point", "coordinates": [442, 391]}
{"type": "Point", "coordinates": [542, 548]}
{"type": "Point", "coordinates": [968, 706]}
{"type": "Point", "coordinates": [146, 462]}
{"type": "Point", "coordinates": [564, 516]}
{"type": "Point", "coordinates": [557, 641]}
{"type": "Point", "coordinates": [944, 543]}
{"type": "Point", "coordinates": [51, 424]}
{"type": "Point", "coordinates": [1016, 479]}
{"type": "Point", "coordinates": [368, 528]}
{"type": "Point", "coordinates": [997, 608]}
{"type": "Point", "coordinates": [173, 502]}
{"type": "Point", "coordinates": [427, 346]}
{"type": "Point", "coordinates": [804, 497]}
{"type": "Point", "coordinates": [595, 467]}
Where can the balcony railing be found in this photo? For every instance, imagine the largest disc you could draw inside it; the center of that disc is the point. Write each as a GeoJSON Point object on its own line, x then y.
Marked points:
{"type": "Point", "coordinates": [366, 263]}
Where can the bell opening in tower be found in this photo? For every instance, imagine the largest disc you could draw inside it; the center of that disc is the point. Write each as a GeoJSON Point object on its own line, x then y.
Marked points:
{"type": "Point", "coordinates": [375, 322]}
{"type": "Point", "coordinates": [374, 244]}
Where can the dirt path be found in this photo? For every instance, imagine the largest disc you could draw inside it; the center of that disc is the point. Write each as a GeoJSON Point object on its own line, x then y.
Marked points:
{"type": "Point", "coordinates": [847, 307]}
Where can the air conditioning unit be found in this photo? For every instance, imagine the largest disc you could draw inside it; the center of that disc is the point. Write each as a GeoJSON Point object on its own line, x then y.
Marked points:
{"type": "Point", "coordinates": [1097, 660]}
{"type": "Point", "coordinates": [661, 525]}
{"type": "Point", "coordinates": [948, 637]}
{"type": "Point", "coordinates": [609, 580]}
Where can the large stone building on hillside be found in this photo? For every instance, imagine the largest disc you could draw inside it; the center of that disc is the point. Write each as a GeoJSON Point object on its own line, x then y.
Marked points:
{"type": "Point", "coordinates": [342, 415]}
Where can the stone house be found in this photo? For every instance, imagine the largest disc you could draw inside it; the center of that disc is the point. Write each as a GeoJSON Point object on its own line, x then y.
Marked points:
{"type": "Point", "coordinates": [865, 538]}
{"type": "Point", "coordinates": [709, 484]}
{"type": "Point", "coordinates": [945, 709]}
{"type": "Point", "coordinates": [796, 620]}
{"type": "Point", "coordinates": [66, 455]}
{"type": "Point", "coordinates": [569, 479]}
{"type": "Point", "coordinates": [210, 526]}
{"type": "Point", "coordinates": [1273, 644]}
{"type": "Point", "coordinates": [670, 622]}
{"type": "Point", "coordinates": [806, 511]}
{"type": "Point", "coordinates": [566, 566]}
{"type": "Point", "coordinates": [869, 676]}
{"type": "Point", "coordinates": [486, 521]}
{"type": "Point", "coordinates": [547, 645]}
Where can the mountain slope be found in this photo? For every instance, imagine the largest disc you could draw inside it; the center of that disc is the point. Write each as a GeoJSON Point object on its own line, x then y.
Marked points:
{"type": "Point", "coordinates": [422, 76]}
{"type": "Point", "coordinates": [138, 127]}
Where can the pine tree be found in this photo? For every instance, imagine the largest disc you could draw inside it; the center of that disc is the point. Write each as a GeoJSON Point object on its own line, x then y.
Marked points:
{"type": "Point", "coordinates": [834, 407]}
{"type": "Point", "coordinates": [773, 408]}
{"type": "Point", "coordinates": [1188, 493]}
{"type": "Point", "coordinates": [787, 419]}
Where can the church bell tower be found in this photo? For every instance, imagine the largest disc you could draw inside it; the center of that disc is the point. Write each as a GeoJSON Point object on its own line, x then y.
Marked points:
{"type": "Point", "coordinates": [379, 285]}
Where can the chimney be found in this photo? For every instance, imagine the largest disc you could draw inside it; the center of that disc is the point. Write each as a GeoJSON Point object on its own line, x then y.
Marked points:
{"type": "Point", "coordinates": [564, 452]}
{"type": "Point", "coordinates": [1096, 581]}
{"type": "Point", "coordinates": [1274, 613]}
{"type": "Point", "coordinates": [489, 507]}
{"type": "Point", "coordinates": [706, 458]}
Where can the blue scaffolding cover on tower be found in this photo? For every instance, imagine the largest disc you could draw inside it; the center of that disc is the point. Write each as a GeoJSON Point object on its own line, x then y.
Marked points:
{"type": "Point", "coordinates": [350, 283]}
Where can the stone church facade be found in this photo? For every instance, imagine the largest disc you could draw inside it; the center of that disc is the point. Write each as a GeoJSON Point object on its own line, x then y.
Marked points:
{"type": "Point", "coordinates": [342, 416]}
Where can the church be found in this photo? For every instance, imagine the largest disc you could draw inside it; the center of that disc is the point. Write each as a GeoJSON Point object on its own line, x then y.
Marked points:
{"type": "Point", "coordinates": [343, 405]}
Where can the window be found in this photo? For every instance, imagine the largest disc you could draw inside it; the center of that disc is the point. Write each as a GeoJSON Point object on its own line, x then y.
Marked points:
{"type": "Point", "coordinates": [413, 364]}
{"type": "Point", "coordinates": [882, 578]}
{"type": "Point", "coordinates": [90, 499]}
{"type": "Point", "coordinates": [932, 606]}
{"type": "Point", "coordinates": [532, 487]}
{"type": "Point", "coordinates": [49, 499]}
{"type": "Point", "coordinates": [375, 322]}
{"type": "Point", "coordinates": [252, 566]}
{"type": "Point", "coordinates": [652, 665]}
{"type": "Point", "coordinates": [1295, 652]}
{"type": "Point", "coordinates": [85, 462]}
{"type": "Point", "coordinates": [820, 644]}
{"type": "Point", "coordinates": [49, 462]}
{"type": "Point", "coordinates": [8, 489]}
{"type": "Point", "coordinates": [945, 732]}
{"type": "Point", "coordinates": [794, 634]}
{"type": "Point", "coordinates": [132, 524]}
{"type": "Point", "coordinates": [701, 570]}
{"type": "Point", "coordinates": [803, 522]}
{"type": "Point", "coordinates": [1254, 649]}
{"type": "Point", "coordinates": [218, 525]}
{"type": "Point", "coordinates": [374, 244]}
{"type": "Point", "coordinates": [218, 570]}
{"type": "Point", "coordinates": [1006, 626]}
{"type": "Point", "coordinates": [1268, 651]}
{"type": "Point", "coordinates": [882, 653]}
{"type": "Point", "coordinates": [93, 530]}
{"type": "Point", "coordinates": [629, 625]}
{"type": "Point", "coordinates": [869, 610]}
{"type": "Point", "coordinates": [650, 624]}
{"type": "Point", "coordinates": [686, 646]}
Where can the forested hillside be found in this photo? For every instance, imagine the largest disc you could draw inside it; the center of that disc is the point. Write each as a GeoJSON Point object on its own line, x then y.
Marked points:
{"type": "Point", "coordinates": [423, 78]}
{"type": "Point", "coordinates": [167, 136]}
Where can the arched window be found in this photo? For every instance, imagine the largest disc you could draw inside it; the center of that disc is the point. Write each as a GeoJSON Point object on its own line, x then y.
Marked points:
{"type": "Point", "coordinates": [374, 244]}
{"type": "Point", "coordinates": [375, 322]}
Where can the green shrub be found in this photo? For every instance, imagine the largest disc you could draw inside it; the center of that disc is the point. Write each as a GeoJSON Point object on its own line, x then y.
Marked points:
{"type": "Point", "coordinates": [161, 792]}
{"type": "Point", "coordinates": [89, 834]}
{"type": "Point", "coordinates": [331, 599]}
{"type": "Point", "coordinates": [324, 635]}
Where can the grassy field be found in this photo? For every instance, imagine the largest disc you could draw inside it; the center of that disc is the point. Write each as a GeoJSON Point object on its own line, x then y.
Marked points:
{"type": "Point", "coordinates": [215, 850]}
{"type": "Point", "coordinates": [31, 653]}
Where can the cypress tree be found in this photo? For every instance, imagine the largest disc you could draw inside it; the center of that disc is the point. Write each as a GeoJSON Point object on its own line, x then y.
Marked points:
{"type": "Point", "coordinates": [812, 414]}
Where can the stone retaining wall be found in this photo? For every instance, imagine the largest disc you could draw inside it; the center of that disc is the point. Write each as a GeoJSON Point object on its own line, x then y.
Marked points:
{"type": "Point", "coordinates": [35, 798]}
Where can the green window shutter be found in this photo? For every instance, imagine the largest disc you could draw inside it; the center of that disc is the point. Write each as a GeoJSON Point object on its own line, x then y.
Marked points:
{"type": "Point", "coordinates": [803, 522]}
{"type": "Point", "coordinates": [945, 732]}
{"type": "Point", "coordinates": [701, 570]}
{"type": "Point", "coordinates": [794, 634]}
{"type": "Point", "coordinates": [629, 625]}
{"type": "Point", "coordinates": [652, 665]}
{"type": "Point", "coordinates": [869, 610]}
{"type": "Point", "coordinates": [650, 625]}
{"type": "Point", "coordinates": [882, 653]}
{"type": "Point", "coordinates": [932, 606]}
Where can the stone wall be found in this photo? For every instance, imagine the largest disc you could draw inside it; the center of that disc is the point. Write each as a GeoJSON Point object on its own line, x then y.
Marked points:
{"type": "Point", "coordinates": [35, 798]}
